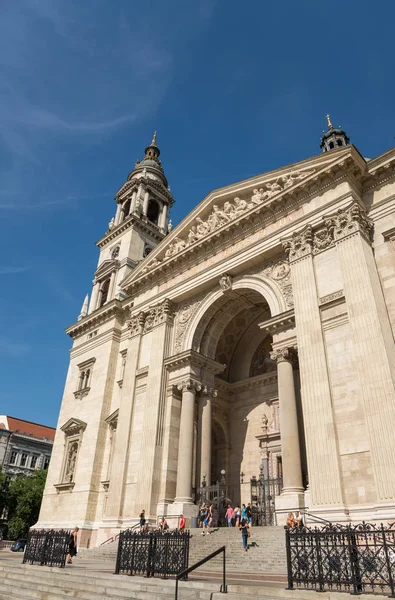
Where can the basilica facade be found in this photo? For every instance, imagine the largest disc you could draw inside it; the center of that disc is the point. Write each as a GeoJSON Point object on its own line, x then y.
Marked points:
{"type": "Point", "coordinates": [261, 327]}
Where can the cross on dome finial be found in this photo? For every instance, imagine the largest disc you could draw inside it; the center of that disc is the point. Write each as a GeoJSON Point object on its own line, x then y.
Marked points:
{"type": "Point", "coordinates": [329, 120]}
{"type": "Point", "coordinates": [153, 143]}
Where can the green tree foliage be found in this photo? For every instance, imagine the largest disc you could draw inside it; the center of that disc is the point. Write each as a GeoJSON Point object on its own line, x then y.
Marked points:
{"type": "Point", "coordinates": [24, 500]}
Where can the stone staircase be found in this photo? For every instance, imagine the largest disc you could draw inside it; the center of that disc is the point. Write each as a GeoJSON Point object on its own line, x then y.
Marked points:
{"type": "Point", "coordinates": [266, 552]}
{"type": "Point", "coordinates": [27, 582]}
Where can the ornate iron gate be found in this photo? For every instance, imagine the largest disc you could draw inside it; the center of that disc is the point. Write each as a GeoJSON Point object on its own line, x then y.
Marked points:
{"type": "Point", "coordinates": [263, 494]}
{"type": "Point", "coordinates": [217, 496]}
{"type": "Point", "coordinates": [47, 547]}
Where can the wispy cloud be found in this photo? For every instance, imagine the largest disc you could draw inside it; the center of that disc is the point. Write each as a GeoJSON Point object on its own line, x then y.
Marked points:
{"type": "Point", "coordinates": [12, 270]}
{"type": "Point", "coordinates": [13, 349]}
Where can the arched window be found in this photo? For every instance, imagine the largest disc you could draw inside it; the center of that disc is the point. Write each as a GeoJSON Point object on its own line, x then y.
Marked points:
{"type": "Point", "coordinates": [147, 250]}
{"type": "Point", "coordinates": [340, 142]}
{"type": "Point", "coordinates": [331, 145]}
{"type": "Point", "coordinates": [105, 286]}
{"type": "Point", "coordinates": [126, 209]}
{"type": "Point", "coordinates": [153, 211]}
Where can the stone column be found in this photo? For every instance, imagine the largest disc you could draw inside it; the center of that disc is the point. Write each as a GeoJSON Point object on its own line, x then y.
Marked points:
{"type": "Point", "coordinates": [145, 204]}
{"type": "Point", "coordinates": [121, 448]}
{"type": "Point", "coordinates": [133, 203]}
{"type": "Point", "coordinates": [321, 443]}
{"type": "Point", "coordinates": [290, 448]}
{"type": "Point", "coordinates": [372, 337]}
{"type": "Point", "coordinates": [189, 389]}
{"type": "Point", "coordinates": [118, 215]}
{"type": "Point", "coordinates": [111, 287]}
{"type": "Point", "coordinates": [95, 293]}
{"type": "Point", "coordinates": [204, 433]}
{"type": "Point", "coordinates": [163, 217]}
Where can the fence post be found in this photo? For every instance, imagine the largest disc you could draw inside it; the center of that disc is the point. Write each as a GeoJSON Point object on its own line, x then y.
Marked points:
{"type": "Point", "coordinates": [319, 560]}
{"type": "Point", "coordinates": [387, 561]}
{"type": "Point", "coordinates": [289, 561]}
{"type": "Point", "coordinates": [355, 570]}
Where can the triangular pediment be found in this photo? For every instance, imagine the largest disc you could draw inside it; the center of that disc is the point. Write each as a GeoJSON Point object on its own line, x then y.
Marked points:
{"type": "Point", "coordinates": [73, 426]}
{"type": "Point", "coordinates": [225, 208]}
{"type": "Point", "coordinates": [106, 267]}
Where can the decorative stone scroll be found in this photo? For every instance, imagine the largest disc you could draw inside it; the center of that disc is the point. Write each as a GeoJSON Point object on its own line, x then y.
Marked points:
{"type": "Point", "coordinates": [208, 391]}
{"type": "Point", "coordinates": [229, 211]}
{"type": "Point", "coordinates": [348, 221]}
{"type": "Point", "coordinates": [284, 355]}
{"type": "Point", "coordinates": [189, 385]}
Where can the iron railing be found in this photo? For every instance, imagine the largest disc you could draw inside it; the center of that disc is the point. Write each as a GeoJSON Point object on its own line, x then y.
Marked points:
{"type": "Point", "coordinates": [353, 558]}
{"type": "Point", "coordinates": [184, 574]}
{"type": "Point", "coordinates": [47, 547]}
{"type": "Point", "coordinates": [217, 495]}
{"type": "Point", "coordinates": [263, 493]}
{"type": "Point", "coordinates": [152, 553]}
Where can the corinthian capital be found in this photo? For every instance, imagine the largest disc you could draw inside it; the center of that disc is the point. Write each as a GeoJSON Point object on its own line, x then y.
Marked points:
{"type": "Point", "coordinates": [189, 385]}
{"type": "Point", "coordinates": [300, 244]}
{"type": "Point", "coordinates": [348, 221]}
{"type": "Point", "coordinates": [284, 355]}
{"type": "Point", "coordinates": [136, 324]}
{"type": "Point", "coordinates": [162, 313]}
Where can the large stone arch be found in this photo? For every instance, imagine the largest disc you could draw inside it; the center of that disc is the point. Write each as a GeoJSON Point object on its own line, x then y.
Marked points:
{"type": "Point", "coordinates": [264, 286]}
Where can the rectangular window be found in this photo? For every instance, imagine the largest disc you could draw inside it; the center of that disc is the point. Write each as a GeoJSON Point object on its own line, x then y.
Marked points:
{"type": "Point", "coordinates": [23, 459]}
{"type": "Point", "coordinates": [84, 378]}
{"type": "Point", "coordinates": [33, 462]}
{"type": "Point", "coordinates": [14, 456]}
{"type": "Point", "coordinates": [46, 462]}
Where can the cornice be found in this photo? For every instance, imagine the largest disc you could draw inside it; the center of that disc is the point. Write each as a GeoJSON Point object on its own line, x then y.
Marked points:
{"type": "Point", "coordinates": [96, 318]}
{"type": "Point", "coordinates": [279, 323]}
{"type": "Point", "coordinates": [254, 219]}
{"type": "Point", "coordinates": [131, 221]}
{"type": "Point", "coordinates": [193, 358]}
{"type": "Point", "coordinates": [130, 184]}
{"type": "Point", "coordinates": [379, 170]}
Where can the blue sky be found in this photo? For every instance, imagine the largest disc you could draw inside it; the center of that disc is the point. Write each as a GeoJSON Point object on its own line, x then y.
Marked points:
{"type": "Point", "coordinates": [233, 88]}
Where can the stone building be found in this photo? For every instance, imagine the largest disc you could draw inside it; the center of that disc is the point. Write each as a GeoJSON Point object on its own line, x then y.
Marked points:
{"type": "Point", "coordinates": [263, 322]}
{"type": "Point", "coordinates": [24, 446]}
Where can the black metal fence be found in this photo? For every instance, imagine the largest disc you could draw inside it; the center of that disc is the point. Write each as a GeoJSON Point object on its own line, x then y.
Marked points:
{"type": "Point", "coordinates": [47, 547]}
{"type": "Point", "coordinates": [153, 553]}
{"type": "Point", "coordinates": [355, 558]}
{"type": "Point", "coordinates": [263, 498]}
{"type": "Point", "coordinates": [217, 495]}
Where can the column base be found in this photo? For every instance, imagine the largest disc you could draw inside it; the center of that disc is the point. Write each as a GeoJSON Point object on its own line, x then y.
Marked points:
{"type": "Point", "coordinates": [288, 501]}
{"type": "Point", "coordinates": [188, 509]}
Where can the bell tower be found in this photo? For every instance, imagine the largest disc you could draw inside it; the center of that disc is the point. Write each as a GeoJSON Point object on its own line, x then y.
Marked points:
{"type": "Point", "coordinates": [334, 137]}
{"type": "Point", "coordinates": [141, 221]}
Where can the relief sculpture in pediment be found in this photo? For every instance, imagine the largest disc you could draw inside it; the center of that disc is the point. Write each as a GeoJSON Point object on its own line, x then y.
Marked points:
{"type": "Point", "coordinates": [222, 216]}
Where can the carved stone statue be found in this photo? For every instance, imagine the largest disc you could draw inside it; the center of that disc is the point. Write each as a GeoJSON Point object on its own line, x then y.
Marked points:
{"type": "Point", "coordinates": [240, 206]}
{"type": "Point", "coordinates": [71, 462]}
{"type": "Point", "coordinates": [225, 282]}
{"type": "Point", "coordinates": [229, 210]}
{"type": "Point", "coordinates": [192, 235]}
{"type": "Point", "coordinates": [111, 224]}
{"type": "Point", "coordinates": [217, 218]}
{"type": "Point", "coordinates": [273, 188]}
{"type": "Point", "coordinates": [265, 422]}
{"type": "Point", "coordinates": [169, 226]}
{"type": "Point", "coordinates": [258, 196]}
{"type": "Point", "coordinates": [202, 227]}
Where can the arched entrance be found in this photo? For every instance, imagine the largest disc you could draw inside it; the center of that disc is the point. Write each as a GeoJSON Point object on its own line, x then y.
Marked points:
{"type": "Point", "coordinates": [246, 392]}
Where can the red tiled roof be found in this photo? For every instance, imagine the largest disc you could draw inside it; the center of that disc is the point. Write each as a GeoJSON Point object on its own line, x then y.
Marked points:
{"type": "Point", "coordinates": [38, 431]}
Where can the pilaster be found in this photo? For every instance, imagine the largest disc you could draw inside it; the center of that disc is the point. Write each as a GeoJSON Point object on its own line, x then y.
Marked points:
{"type": "Point", "coordinates": [373, 341]}
{"type": "Point", "coordinates": [121, 448]}
{"type": "Point", "coordinates": [322, 451]}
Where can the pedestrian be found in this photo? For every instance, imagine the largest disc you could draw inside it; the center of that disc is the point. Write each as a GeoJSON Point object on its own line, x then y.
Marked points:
{"type": "Point", "coordinates": [237, 515]}
{"type": "Point", "coordinates": [229, 515]}
{"type": "Point", "coordinates": [72, 546]}
{"type": "Point", "coordinates": [182, 524]}
{"type": "Point", "coordinates": [249, 518]}
{"type": "Point", "coordinates": [291, 523]}
{"type": "Point", "coordinates": [202, 514]}
{"type": "Point", "coordinates": [208, 520]}
{"type": "Point", "coordinates": [163, 526]}
{"type": "Point", "coordinates": [244, 512]}
{"type": "Point", "coordinates": [244, 533]}
{"type": "Point", "coordinates": [298, 520]}
{"type": "Point", "coordinates": [142, 521]}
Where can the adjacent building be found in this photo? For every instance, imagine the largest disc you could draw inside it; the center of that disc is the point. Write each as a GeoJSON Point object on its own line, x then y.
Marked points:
{"type": "Point", "coordinates": [261, 327]}
{"type": "Point", "coordinates": [24, 446]}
